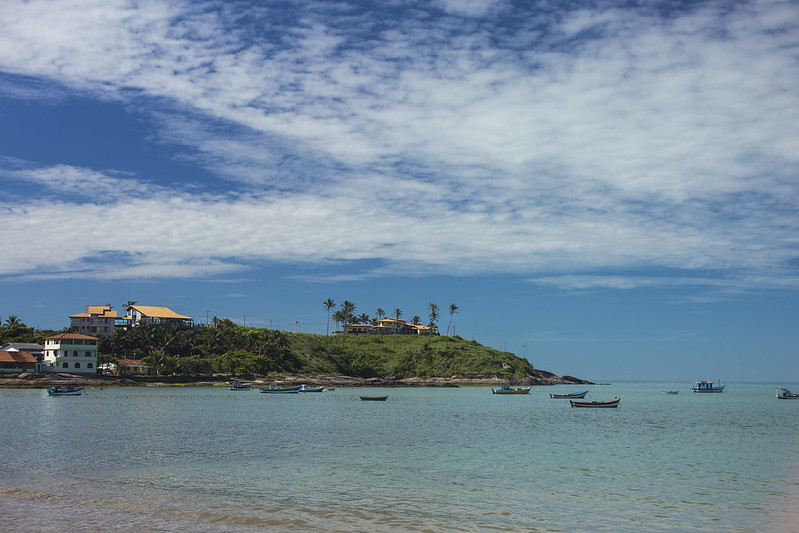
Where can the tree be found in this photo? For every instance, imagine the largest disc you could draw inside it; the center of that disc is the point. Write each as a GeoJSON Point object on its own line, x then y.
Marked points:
{"type": "Point", "coordinates": [416, 320]}
{"type": "Point", "coordinates": [397, 313]}
{"type": "Point", "coordinates": [329, 304]}
{"type": "Point", "coordinates": [348, 308]}
{"type": "Point", "coordinates": [380, 313]}
{"type": "Point", "coordinates": [128, 305]}
{"type": "Point", "coordinates": [363, 318]}
{"type": "Point", "coordinates": [433, 314]}
{"type": "Point", "coordinates": [452, 310]}
{"type": "Point", "coordinates": [339, 318]}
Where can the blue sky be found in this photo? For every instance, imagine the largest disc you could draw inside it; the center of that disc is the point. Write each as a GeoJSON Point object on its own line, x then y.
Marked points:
{"type": "Point", "coordinates": [606, 188]}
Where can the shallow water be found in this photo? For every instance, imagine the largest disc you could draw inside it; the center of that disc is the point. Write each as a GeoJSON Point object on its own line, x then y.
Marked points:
{"type": "Point", "coordinates": [210, 459]}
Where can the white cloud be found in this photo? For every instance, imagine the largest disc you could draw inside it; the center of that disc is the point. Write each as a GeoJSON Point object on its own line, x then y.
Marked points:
{"type": "Point", "coordinates": [614, 140]}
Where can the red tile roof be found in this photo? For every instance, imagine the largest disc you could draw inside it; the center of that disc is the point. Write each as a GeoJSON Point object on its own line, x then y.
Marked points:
{"type": "Point", "coordinates": [70, 336]}
{"type": "Point", "coordinates": [16, 357]}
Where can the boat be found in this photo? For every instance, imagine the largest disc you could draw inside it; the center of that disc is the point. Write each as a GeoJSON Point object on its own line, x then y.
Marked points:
{"type": "Point", "coordinates": [65, 391]}
{"type": "Point", "coordinates": [306, 388]}
{"type": "Point", "coordinates": [238, 385]}
{"type": "Point", "coordinates": [374, 398]}
{"type": "Point", "coordinates": [706, 386]}
{"type": "Point", "coordinates": [785, 394]}
{"type": "Point", "coordinates": [609, 403]}
{"type": "Point", "coordinates": [274, 389]}
{"type": "Point", "coordinates": [569, 395]}
{"type": "Point", "coordinates": [511, 390]}
{"type": "Point", "coordinates": [670, 392]}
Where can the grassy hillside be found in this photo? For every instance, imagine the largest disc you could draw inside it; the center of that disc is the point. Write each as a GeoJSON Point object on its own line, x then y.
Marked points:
{"type": "Point", "coordinates": [404, 356]}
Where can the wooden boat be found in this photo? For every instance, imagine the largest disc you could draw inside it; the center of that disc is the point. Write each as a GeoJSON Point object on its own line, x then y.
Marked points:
{"type": "Point", "coordinates": [785, 394]}
{"type": "Point", "coordinates": [706, 386]}
{"type": "Point", "coordinates": [511, 390]}
{"type": "Point", "coordinates": [670, 392]}
{"type": "Point", "coordinates": [569, 395]}
{"type": "Point", "coordinates": [65, 391]}
{"type": "Point", "coordinates": [238, 385]}
{"type": "Point", "coordinates": [274, 389]}
{"type": "Point", "coordinates": [374, 398]}
{"type": "Point", "coordinates": [306, 388]}
{"type": "Point", "coordinates": [609, 403]}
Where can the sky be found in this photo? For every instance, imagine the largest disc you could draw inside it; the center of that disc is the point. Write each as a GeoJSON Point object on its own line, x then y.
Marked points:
{"type": "Point", "coordinates": [608, 189]}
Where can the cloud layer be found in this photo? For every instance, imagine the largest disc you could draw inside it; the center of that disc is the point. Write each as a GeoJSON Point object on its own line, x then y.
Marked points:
{"type": "Point", "coordinates": [583, 147]}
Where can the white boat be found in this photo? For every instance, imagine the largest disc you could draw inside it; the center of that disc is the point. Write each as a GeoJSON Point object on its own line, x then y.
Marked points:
{"type": "Point", "coordinates": [238, 385]}
{"type": "Point", "coordinates": [785, 394]}
{"type": "Point", "coordinates": [64, 391]}
{"type": "Point", "coordinates": [706, 386]}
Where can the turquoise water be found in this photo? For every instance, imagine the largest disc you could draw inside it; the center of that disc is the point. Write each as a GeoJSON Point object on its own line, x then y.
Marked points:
{"type": "Point", "coordinates": [428, 459]}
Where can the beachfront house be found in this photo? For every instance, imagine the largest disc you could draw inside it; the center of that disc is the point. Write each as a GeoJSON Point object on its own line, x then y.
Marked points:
{"type": "Point", "coordinates": [36, 350]}
{"type": "Point", "coordinates": [13, 361]}
{"type": "Point", "coordinates": [157, 316]}
{"type": "Point", "coordinates": [95, 319]}
{"type": "Point", "coordinates": [71, 353]}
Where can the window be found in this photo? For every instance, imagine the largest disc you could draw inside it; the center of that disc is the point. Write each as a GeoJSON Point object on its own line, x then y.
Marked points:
{"type": "Point", "coordinates": [65, 365]}
{"type": "Point", "coordinates": [88, 354]}
{"type": "Point", "coordinates": [75, 353]}
{"type": "Point", "coordinates": [77, 365]}
{"type": "Point", "coordinates": [89, 365]}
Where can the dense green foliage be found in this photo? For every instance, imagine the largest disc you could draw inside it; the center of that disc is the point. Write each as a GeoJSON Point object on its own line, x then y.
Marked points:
{"type": "Point", "coordinates": [241, 351]}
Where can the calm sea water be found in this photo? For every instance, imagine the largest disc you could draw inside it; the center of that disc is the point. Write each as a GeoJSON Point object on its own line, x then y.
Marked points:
{"type": "Point", "coordinates": [210, 459]}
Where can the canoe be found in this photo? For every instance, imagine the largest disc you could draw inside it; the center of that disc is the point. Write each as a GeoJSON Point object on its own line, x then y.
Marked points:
{"type": "Point", "coordinates": [374, 398]}
{"type": "Point", "coordinates": [511, 390]}
{"type": "Point", "coordinates": [609, 403]}
{"type": "Point", "coordinates": [568, 395]}
{"type": "Point", "coordinates": [306, 388]}
{"type": "Point", "coordinates": [65, 391]}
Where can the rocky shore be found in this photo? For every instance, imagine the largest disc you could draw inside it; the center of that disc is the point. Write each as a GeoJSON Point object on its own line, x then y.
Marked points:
{"type": "Point", "coordinates": [43, 381]}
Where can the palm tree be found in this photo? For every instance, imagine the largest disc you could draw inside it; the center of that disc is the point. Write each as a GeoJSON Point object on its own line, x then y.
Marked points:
{"type": "Point", "coordinates": [363, 318]}
{"type": "Point", "coordinates": [339, 317]}
{"type": "Point", "coordinates": [348, 308]}
{"type": "Point", "coordinates": [452, 310]}
{"type": "Point", "coordinates": [397, 313]}
{"type": "Point", "coordinates": [380, 313]}
{"type": "Point", "coordinates": [12, 320]}
{"type": "Point", "coordinates": [328, 304]}
{"type": "Point", "coordinates": [416, 320]}
{"type": "Point", "coordinates": [433, 314]}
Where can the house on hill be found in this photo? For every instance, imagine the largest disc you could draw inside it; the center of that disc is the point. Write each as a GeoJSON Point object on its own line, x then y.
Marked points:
{"type": "Point", "coordinates": [389, 326]}
{"type": "Point", "coordinates": [97, 319]}
{"type": "Point", "coordinates": [157, 316]}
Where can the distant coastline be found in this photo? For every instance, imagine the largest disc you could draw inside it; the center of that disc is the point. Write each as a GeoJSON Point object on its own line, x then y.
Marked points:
{"type": "Point", "coordinates": [43, 381]}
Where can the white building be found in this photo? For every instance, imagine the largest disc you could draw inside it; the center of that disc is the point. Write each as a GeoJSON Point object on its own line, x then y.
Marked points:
{"type": "Point", "coordinates": [71, 353]}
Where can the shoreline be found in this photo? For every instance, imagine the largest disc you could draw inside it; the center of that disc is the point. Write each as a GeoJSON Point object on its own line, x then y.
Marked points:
{"type": "Point", "coordinates": [44, 381]}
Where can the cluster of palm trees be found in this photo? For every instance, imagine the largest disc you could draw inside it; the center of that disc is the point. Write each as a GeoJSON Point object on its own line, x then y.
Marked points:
{"type": "Point", "coordinates": [346, 315]}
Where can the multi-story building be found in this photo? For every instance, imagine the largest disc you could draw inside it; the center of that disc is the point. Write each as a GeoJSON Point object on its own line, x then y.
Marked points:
{"type": "Point", "coordinates": [389, 326]}
{"type": "Point", "coordinates": [159, 316]}
{"type": "Point", "coordinates": [97, 319]}
{"type": "Point", "coordinates": [72, 353]}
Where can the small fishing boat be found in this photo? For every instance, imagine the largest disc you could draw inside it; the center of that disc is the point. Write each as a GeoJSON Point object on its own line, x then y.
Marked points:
{"type": "Point", "coordinates": [670, 392]}
{"type": "Point", "coordinates": [785, 394]}
{"type": "Point", "coordinates": [374, 398]}
{"type": "Point", "coordinates": [238, 385]}
{"type": "Point", "coordinates": [706, 386]}
{"type": "Point", "coordinates": [306, 388]}
{"type": "Point", "coordinates": [569, 395]}
{"type": "Point", "coordinates": [511, 390]}
{"type": "Point", "coordinates": [274, 389]}
{"type": "Point", "coordinates": [65, 391]}
{"type": "Point", "coordinates": [609, 403]}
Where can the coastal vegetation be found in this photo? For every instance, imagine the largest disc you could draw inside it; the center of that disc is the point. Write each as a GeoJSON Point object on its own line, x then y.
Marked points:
{"type": "Point", "coordinates": [229, 348]}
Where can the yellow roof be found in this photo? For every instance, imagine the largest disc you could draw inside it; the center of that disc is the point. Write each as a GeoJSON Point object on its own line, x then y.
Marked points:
{"type": "Point", "coordinates": [102, 311]}
{"type": "Point", "coordinates": [159, 312]}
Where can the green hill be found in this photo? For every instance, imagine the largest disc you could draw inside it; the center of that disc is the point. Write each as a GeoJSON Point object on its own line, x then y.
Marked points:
{"type": "Point", "coordinates": [404, 356]}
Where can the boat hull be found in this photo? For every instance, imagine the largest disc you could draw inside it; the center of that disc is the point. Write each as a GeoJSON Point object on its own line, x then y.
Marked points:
{"type": "Point", "coordinates": [707, 387]}
{"type": "Point", "coordinates": [511, 390]}
{"type": "Point", "coordinates": [71, 391]}
{"type": "Point", "coordinates": [569, 395]}
{"type": "Point", "coordinates": [609, 403]}
{"type": "Point", "coordinates": [374, 398]}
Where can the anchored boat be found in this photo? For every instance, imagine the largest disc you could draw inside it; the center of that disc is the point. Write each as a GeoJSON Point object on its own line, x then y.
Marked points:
{"type": "Point", "coordinates": [609, 403]}
{"type": "Point", "coordinates": [706, 386]}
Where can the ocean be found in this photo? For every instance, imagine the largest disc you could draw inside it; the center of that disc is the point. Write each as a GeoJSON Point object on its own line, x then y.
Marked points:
{"type": "Point", "coordinates": [209, 459]}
